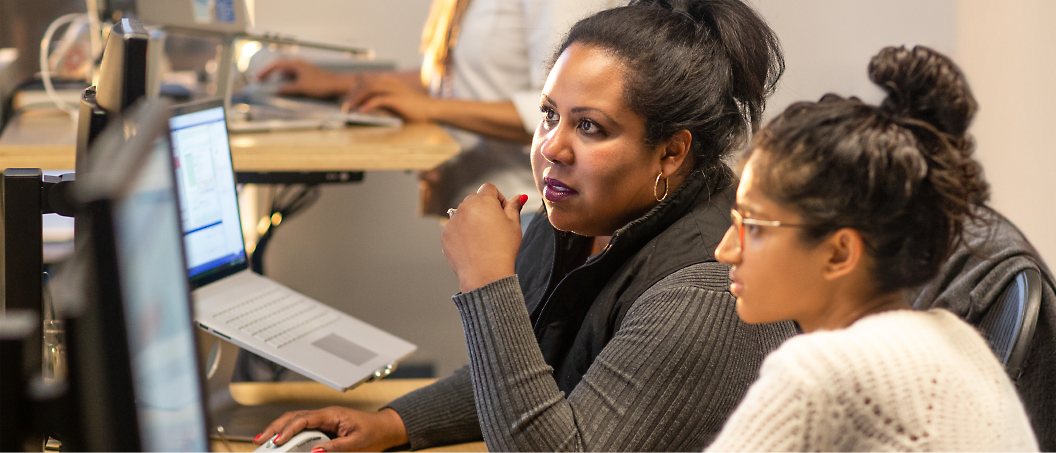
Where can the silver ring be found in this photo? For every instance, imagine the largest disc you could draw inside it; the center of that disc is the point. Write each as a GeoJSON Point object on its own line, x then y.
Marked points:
{"type": "Point", "coordinates": [451, 212]}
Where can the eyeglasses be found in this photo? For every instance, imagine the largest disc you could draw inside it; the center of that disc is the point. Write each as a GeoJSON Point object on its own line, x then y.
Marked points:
{"type": "Point", "coordinates": [739, 221]}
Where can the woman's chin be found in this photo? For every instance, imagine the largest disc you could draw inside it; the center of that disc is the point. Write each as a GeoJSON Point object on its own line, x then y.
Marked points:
{"type": "Point", "coordinates": [571, 220]}
{"type": "Point", "coordinates": [560, 219]}
{"type": "Point", "coordinates": [749, 315]}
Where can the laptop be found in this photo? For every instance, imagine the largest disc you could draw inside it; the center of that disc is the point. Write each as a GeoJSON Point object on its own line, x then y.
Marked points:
{"type": "Point", "coordinates": [245, 308]}
{"type": "Point", "coordinates": [263, 111]}
{"type": "Point", "coordinates": [229, 18]}
{"type": "Point", "coordinates": [259, 109]}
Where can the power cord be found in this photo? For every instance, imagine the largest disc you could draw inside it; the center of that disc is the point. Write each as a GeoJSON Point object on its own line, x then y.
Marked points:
{"type": "Point", "coordinates": [291, 200]}
{"type": "Point", "coordinates": [45, 51]}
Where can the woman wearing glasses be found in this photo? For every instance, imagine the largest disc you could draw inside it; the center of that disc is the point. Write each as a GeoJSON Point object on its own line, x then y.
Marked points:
{"type": "Point", "coordinates": [840, 206]}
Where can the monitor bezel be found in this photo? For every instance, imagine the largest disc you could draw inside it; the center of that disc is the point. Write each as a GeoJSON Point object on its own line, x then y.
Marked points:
{"type": "Point", "coordinates": [112, 170]}
{"type": "Point", "coordinates": [123, 67]}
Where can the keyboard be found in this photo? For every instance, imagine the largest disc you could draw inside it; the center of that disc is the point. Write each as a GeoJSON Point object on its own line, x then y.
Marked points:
{"type": "Point", "coordinates": [276, 316]}
{"type": "Point", "coordinates": [261, 113]}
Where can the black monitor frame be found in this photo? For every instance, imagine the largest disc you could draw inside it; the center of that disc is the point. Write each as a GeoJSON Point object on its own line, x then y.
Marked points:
{"type": "Point", "coordinates": [26, 194]}
{"type": "Point", "coordinates": [123, 69]}
{"type": "Point", "coordinates": [16, 328]}
{"type": "Point", "coordinates": [122, 82]}
{"type": "Point", "coordinates": [100, 361]}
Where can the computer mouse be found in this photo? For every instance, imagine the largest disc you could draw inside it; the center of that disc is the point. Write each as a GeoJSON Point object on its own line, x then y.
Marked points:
{"type": "Point", "coordinates": [302, 441]}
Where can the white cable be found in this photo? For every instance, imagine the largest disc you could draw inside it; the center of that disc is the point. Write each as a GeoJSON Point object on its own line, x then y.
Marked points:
{"type": "Point", "coordinates": [45, 73]}
{"type": "Point", "coordinates": [96, 35]}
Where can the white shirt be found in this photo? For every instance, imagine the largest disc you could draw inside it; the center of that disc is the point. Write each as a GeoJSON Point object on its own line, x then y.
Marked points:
{"type": "Point", "coordinates": [899, 380]}
{"type": "Point", "coordinates": [504, 48]}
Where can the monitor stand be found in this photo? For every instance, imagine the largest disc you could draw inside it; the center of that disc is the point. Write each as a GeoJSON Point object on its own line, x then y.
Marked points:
{"type": "Point", "coordinates": [239, 421]}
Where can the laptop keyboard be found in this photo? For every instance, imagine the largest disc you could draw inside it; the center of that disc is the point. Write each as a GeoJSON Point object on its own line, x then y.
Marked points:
{"type": "Point", "coordinates": [277, 316]}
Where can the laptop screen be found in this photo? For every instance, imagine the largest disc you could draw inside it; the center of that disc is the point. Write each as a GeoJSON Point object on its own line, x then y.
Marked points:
{"type": "Point", "coordinates": [212, 232]}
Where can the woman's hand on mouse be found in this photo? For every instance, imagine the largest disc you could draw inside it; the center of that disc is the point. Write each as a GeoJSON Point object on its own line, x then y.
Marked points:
{"type": "Point", "coordinates": [482, 238]}
{"type": "Point", "coordinates": [354, 430]}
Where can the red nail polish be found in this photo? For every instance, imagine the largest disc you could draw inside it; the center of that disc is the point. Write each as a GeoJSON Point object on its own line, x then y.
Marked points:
{"type": "Point", "coordinates": [276, 439]}
{"type": "Point", "coordinates": [318, 450]}
{"type": "Point", "coordinates": [524, 198]}
{"type": "Point", "coordinates": [258, 437]}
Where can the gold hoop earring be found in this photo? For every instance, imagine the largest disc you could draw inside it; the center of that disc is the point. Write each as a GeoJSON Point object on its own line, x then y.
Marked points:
{"type": "Point", "coordinates": [657, 184]}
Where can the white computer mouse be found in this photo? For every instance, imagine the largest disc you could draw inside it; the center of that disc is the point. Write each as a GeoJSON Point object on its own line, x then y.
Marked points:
{"type": "Point", "coordinates": [302, 441]}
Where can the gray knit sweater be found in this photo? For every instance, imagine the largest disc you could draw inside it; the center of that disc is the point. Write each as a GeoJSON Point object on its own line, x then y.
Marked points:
{"type": "Point", "coordinates": [667, 380]}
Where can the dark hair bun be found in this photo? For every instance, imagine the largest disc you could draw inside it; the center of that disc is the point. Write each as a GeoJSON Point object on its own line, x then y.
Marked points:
{"type": "Point", "coordinates": [925, 85]}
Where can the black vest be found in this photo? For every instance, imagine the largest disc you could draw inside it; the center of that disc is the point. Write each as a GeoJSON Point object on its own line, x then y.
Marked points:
{"type": "Point", "coordinates": [575, 311]}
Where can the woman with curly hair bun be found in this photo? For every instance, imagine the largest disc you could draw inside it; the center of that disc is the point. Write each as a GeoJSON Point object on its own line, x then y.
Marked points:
{"type": "Point", "coordinates": [840, 207]}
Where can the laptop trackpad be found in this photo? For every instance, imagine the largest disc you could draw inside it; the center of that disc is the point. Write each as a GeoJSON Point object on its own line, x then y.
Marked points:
{"type": "Point", "coordinates": [344, 349]}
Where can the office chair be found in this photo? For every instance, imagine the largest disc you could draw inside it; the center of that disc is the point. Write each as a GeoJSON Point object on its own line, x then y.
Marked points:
{"type": "Point", "coordinates": [1009, 323]}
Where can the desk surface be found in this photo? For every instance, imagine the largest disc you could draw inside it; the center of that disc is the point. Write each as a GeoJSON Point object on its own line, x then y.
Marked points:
{"type": "Point", "coordinates": [238, 446]}
{"type": "Point", "coordinates": [367, 397]}
{"type": "Point", "coordinates": [45, 139]}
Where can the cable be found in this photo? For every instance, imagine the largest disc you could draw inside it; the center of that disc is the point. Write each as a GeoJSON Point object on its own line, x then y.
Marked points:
{"type": "Point", "coordinates": [291, 200]}
{"type": "Point", "coordinates": [95, 33]}
{"type": "Point", "coordinates": [45, 73]}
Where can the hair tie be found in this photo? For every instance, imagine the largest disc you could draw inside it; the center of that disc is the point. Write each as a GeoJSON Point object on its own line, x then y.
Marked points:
{"type": "Point", "coordinates": [665, 4]}
{"type": "Point", "coordinates": [701, 12]}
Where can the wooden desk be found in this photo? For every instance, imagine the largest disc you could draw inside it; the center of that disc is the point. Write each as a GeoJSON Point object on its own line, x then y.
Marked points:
{"type": "Point", "coordinates": [46, 139]}
{"type": "Point", "coordinates": [367, 397]}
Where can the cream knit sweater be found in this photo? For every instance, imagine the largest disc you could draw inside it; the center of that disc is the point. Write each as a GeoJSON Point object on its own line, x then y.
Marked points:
{"type": "Point", "coordinates": [900, 380]}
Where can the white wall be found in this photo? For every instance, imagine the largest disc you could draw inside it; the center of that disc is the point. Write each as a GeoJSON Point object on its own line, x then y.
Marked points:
{"type": "Point", "coordinates": [392, 27]}
{"type": "Point", "coordinates": [828, 43]}
{"type": "Point", "coordinates": [1008, 52]}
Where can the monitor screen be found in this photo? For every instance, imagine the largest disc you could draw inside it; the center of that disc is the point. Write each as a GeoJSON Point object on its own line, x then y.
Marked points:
{"type": "Point", "coordinates": [157, 310]}
{"type": "Point", "coordinates": [208, 16]}
{"type": "Point", "coordinates": [212, 229]}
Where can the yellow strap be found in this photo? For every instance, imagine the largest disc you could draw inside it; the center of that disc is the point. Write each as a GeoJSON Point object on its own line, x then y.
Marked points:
{"type": "Point", "coordinates": [439, 36]}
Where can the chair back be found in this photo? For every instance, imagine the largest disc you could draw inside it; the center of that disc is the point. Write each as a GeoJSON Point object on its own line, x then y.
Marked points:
{"type": "Point", "coordinates": [1009, 323]}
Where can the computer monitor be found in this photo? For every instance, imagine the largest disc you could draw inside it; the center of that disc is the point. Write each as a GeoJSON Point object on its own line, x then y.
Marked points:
{"type": "Point", "coordinates": [133, 362]}
{"type": "Point", "coordinates": [225, 17]}
{"type": "Point", "coordinates": [122, 82]}
{"type": "Point", "coordinates": [23, 194]}
{"type": "Point", "coordinates": [123, 70]}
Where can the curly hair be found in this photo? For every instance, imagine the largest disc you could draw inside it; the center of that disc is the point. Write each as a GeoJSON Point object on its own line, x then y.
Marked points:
{"type": "Point", "coordinates": [901, 173]}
